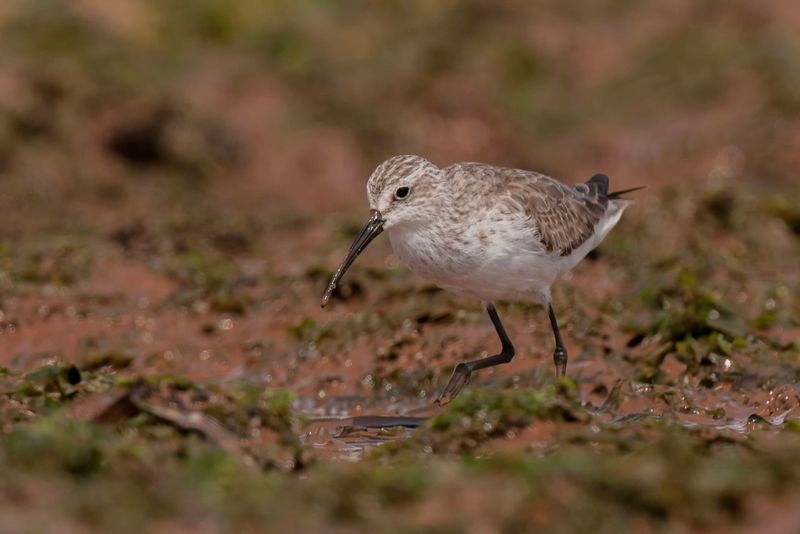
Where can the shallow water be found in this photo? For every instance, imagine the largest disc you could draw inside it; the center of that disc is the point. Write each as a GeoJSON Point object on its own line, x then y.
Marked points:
{"type": "Point", "coordinates": [348, 436]}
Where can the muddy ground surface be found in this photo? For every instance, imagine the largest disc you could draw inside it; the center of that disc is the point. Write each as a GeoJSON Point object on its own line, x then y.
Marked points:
{"type": "Point", "coordinates": [179, 184]}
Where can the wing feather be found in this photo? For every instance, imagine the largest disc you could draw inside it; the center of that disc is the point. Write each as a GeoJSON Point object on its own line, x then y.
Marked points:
{"type": "Point", "coordinates": [564, 217]}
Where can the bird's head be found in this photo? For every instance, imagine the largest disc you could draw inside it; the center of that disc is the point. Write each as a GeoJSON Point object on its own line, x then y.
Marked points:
{"type": "Point", "coordinates": [406, 191]}
{"type": "Point", "coordinates": [403, 192]}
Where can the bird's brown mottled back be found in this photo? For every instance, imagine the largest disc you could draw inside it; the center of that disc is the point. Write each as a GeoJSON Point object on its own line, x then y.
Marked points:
{"type": "Point", "coordinates": [564, 217]}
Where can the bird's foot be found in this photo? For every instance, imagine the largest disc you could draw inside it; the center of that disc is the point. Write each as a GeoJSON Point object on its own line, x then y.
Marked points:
{"type": "Point", "coordinates": [459, 379]}
{"type": "Point", "coordinates": [560, 359]}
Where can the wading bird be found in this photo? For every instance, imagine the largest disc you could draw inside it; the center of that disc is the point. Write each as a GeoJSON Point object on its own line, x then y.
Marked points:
{"type": "Point", "coordinates": [486, 232]}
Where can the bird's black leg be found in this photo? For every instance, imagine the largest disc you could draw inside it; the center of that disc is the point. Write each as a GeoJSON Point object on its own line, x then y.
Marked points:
{"type": "Point", "coordinates": [560, 354]}
{"type": "Point", "coordinates": [463, 370]}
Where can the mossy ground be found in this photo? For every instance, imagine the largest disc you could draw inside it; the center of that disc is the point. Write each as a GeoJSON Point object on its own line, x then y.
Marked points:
{"type": "Point", "coordinates": [179, 179]}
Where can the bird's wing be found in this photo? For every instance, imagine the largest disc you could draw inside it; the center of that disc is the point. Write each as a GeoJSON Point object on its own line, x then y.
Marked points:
{"type": "Point", "coordinates": [564, 217]}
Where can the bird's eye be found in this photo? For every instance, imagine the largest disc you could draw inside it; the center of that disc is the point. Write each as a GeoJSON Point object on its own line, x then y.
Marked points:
{"type": "Point", "coordinates": [402, 192]}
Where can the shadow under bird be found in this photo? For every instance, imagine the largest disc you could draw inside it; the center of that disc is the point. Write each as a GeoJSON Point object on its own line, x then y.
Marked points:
{"type": "Point", "coordinates": [486, 232]}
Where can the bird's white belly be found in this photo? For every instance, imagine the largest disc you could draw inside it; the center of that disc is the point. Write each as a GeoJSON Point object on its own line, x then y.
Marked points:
{"type": "Point", "coordinates": [508, 265]}
{"type": "Point", "coordinates": [492, 260]}
{"type": "Point", "coordinates": [522, 276]}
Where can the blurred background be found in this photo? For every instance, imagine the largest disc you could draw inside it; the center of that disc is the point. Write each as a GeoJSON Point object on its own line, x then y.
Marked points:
{"type": "Point", "coordinates": [109, 109]}
{"type": "Point", "coordinates": [179, 178]}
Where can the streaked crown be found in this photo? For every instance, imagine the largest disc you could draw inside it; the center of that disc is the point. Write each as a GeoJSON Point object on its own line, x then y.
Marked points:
{"type": "Point", "coordinates": [395, 169]}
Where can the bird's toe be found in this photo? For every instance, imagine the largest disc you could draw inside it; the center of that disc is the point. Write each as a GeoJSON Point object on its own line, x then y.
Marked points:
{"type": "Point", "coordinates": [460, 377]}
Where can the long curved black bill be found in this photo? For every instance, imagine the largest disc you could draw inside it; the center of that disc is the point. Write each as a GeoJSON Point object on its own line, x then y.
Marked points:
{"type": "Point", "coordinates": [370, 231]}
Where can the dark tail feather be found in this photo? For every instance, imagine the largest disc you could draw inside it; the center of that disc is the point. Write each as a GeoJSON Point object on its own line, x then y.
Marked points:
{"type": "Point", "coordinates": [618, 194]}
{"type": "Point", "coordinates": [598, 184]}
